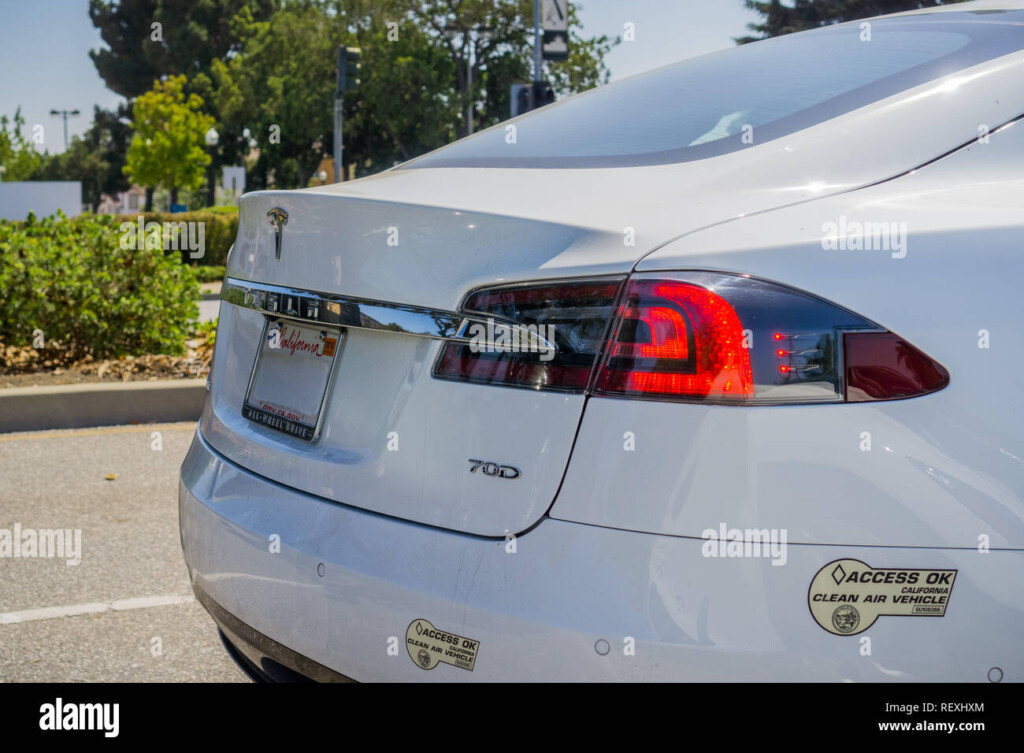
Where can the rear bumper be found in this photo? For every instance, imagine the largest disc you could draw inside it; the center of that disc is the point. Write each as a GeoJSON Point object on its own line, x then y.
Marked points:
{"type": "Point", "coordinates": [329, 589]}
{"type": "Point", "coordinates": [262, 658]}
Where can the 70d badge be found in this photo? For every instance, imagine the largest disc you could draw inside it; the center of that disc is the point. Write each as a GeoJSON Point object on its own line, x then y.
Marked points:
{"type": "Point", "coordinates": [847, 596]}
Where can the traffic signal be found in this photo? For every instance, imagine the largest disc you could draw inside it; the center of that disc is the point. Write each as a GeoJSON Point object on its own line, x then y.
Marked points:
{"type": "Point", "coordinates": [522, 95]}
{"type": "Point", "coordinates": [543, 94]}
{"type": "Point", "coordinates": [348, 69]}
{"type": "Point", "coordinates": [531, 96]}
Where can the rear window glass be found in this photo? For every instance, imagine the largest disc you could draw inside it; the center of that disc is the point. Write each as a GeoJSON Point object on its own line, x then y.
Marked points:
{"type": "Point", "coordinates": [701, 108]}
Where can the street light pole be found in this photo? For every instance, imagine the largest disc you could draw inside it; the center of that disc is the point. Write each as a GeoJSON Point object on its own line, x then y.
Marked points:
{"type": "Point", "coordinates": [65, 114]}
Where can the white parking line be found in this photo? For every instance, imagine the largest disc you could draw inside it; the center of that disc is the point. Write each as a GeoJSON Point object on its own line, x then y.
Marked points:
{"type": "Point", "coordinates": [121, 605]}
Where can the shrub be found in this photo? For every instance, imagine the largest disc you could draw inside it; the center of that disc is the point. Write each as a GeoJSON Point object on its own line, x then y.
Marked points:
{"type": "Point", "coordinates": [219, 230]}
{"type": "Point", "coordinates": [207, 331]}
{"type": "Point", "coordinates": [209, 274]}
{"type": "Point", "coordinates": [70, 281]}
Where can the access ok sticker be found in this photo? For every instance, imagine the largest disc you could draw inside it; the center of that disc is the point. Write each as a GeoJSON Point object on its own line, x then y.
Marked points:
{"type": "Point", "coordinates": [429, 646]}
{"type": "Point", "coordinates": [847, 596]}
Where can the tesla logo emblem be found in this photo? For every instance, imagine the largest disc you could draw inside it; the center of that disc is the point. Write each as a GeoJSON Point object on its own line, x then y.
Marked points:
{"type": "Point", "coordinates": [278, 218]}
{"type": "Point", "coordinates": [493, 469]}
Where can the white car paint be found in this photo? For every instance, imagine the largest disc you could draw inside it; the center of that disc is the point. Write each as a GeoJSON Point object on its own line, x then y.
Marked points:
{"type": "Point", "coordinates": [540, 613]}
{"type": "Point", "coordinates": [943, 469]}
{"type": "Point", "coordinates": [596, 542]}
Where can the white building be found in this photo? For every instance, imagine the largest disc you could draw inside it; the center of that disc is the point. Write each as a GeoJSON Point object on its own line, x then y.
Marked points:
{"type": "Point", "coordinates": [44, 197]}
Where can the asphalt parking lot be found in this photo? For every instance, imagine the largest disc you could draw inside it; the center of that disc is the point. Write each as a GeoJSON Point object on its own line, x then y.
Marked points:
{"type": "Point", "coordinates": [125, 612]}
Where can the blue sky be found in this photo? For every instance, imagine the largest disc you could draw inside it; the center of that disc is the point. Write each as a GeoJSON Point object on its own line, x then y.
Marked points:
{"type": "Point", "coordinates": [44, 50]}
{"type": "Point", "coordinates": [666, 30]}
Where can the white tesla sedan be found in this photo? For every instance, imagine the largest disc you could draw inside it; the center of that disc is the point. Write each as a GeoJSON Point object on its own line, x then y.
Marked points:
{"type": "Point", "coordinates": [712, 374]}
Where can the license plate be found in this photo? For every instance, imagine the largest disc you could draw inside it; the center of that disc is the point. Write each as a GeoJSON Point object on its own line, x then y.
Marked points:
{"type": "Point", "coordinates": [291, 378]}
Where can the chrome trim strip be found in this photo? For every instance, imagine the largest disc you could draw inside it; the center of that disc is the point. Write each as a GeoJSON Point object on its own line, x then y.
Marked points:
{"type": "Point", "coordinates": [347, 311]}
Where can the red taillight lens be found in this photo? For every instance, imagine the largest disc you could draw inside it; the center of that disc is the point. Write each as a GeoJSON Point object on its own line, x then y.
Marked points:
{"type": "Point", "coordinates": [689, 336]}
{"type": "Point", "coordinates": [884, 366]}
{"type": "Point", "coordinates": [677, 339]}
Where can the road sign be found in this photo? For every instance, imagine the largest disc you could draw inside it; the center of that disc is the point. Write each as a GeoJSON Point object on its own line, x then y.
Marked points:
{"type": "Point", "coordinates": [233, 179]}
{"type": "Point", "coordinates": [555, 16]}
{"type": "Point", "coordinates": [555, 22]}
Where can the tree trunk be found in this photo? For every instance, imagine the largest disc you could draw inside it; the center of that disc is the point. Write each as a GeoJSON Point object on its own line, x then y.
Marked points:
{"type": "Point", "coordinates": [211, 186]}
{"type": "Point", "coordinates": [174, 196]}
{"type": "Point", "coordinates": [149, 200]}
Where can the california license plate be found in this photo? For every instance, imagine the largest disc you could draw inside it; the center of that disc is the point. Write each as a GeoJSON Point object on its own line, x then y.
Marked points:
{"type": "Point", "coordinates": [291, 378]}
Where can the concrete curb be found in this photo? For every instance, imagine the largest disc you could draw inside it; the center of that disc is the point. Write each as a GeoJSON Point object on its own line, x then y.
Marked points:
{"type": "Point", "coordinates": [210, 291]}
{"type": "Point", "coordinates": [77, 406]}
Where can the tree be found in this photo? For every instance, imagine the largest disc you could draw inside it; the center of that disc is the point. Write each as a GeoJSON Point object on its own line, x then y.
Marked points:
{"type": "Point", "coordinates": [404, 106]}
{"type": "Point", "coordinates": [168, 148]}
{"type": "Point", "coordinates": [414, 87]}
{"type": "Point", "coordinates": [126, 28]}
{"type": "Point", "coordinates": [18, 155]}
{"type": "Point", "coordinates": [281, 86]}
{"type": "Point", "coordinates": [96, 158]}
{"type": "Point", "coordinates": [476, 33]}
{"type": "Point", "coordinates": [799, 15]}
{"type": "Point", "coordinates": [149, 39]}
{"type": "Point", "coordinates": [503, 53]}
{"type": "Point", "coordinates": [585, 67]}
{"type": "Point", "coordinates": [111, 133]}
{"type": "Point", "coordinates": [197, 32]}
{"type": "Point", "coordinates": [78, 162]}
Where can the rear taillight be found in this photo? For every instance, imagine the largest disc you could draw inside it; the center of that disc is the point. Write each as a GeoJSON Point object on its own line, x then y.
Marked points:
{"type": "Point", "coordinates": [693, 337]}
{"type": "Point", "coordinates": [677, 339]}
{"type": "Point", "coordinates": [573, 316]}
{"type": "Point", "coordinates": [883, 366]}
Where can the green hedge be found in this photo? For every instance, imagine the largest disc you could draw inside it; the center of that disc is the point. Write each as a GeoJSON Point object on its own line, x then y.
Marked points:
{"type": "Point", "coordinates": [73, 282]}
{"type": "Point", "coordinates": [209, 273]}
{"type": "Point", "coordinates": [219, 230]}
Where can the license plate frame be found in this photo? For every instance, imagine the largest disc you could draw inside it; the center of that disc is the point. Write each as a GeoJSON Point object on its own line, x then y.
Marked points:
{"type": "Point", "coordinates": [292, 425]}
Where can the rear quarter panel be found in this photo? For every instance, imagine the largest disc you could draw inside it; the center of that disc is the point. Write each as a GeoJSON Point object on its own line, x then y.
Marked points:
{"type": "Point", "coordinates": [945, 469]}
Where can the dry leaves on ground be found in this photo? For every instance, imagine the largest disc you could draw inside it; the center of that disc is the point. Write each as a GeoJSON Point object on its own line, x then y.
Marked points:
{"type": "Point", "coordinates": [23, 366]}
